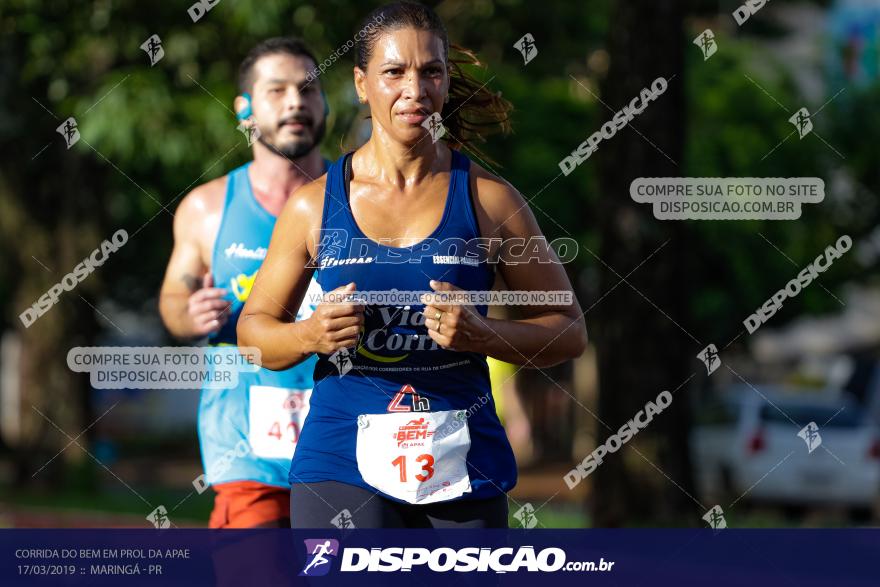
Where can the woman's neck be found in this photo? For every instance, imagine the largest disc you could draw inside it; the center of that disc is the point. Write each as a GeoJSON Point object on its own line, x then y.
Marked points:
{"type": "Point", "coordinates": [403, 166]}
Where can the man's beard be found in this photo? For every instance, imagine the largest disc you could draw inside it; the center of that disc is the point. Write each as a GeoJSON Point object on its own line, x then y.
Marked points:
{"type": "Point", "coordinates": [298, 147]}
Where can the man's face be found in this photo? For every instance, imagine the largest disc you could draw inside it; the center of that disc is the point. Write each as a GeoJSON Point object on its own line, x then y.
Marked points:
{"type": "Point", "coordinates": [289, 112]}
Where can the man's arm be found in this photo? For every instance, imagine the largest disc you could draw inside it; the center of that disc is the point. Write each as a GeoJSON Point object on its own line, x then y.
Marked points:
{"type": "Point", "coordinates": [190, 307]}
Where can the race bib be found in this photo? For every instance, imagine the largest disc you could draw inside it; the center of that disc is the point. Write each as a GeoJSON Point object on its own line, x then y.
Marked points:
{"type": "Point", "coordinates": [276, 416]}
{"type": "Point", "coordinates": [417, 457]}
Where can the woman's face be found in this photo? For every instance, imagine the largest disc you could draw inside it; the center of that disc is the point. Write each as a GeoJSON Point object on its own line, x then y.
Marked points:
{"type": "Point", "coordinates": [405, 82]}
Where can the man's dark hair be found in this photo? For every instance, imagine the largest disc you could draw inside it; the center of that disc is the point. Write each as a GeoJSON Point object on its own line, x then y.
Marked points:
{"type": "Point", "coordinates": [273, 46]}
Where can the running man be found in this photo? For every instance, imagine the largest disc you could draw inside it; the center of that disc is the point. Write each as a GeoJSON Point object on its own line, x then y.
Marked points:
{"type": "Point", "coordinates": [407, 434]}
{"type": "Point", "coordinates": [319, 552]}
{"type": "Point", "coordinates": [221, 232]}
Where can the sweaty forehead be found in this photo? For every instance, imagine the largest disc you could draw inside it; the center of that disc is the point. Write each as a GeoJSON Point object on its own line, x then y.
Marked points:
{"type": "Point", "coordinates": [407, 46]}
{"type": "Point", "coordinates": [281, 67]}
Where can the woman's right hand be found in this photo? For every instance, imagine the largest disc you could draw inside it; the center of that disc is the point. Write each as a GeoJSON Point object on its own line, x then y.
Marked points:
{"type": "Point", "coordinates": [337, 321]}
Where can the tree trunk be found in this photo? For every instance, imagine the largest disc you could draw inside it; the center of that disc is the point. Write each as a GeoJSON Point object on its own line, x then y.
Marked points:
{"type": "Point", "coordinates": [641, 350]}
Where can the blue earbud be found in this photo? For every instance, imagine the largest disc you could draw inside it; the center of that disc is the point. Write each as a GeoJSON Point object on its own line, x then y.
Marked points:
{"type": "Point", "coordinates": [247, 111]}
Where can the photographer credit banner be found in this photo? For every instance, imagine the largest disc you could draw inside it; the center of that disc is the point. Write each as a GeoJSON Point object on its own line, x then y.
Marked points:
{"type": "Point", "coordinates": [434, 557]}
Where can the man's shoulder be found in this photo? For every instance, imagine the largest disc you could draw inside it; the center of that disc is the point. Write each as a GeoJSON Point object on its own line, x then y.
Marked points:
{"type": "Point", "coordinates": [207, 198]}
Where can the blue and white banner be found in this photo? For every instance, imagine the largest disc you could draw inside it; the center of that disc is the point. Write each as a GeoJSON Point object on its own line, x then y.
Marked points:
{"type": "Point", "coordinates": [436, 557]}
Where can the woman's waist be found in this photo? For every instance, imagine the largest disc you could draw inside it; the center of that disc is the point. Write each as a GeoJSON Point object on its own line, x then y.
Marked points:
{"type": "Point", "coordinates": [396, 355]}
{"type": "Point", "coordinates": [351, 395]}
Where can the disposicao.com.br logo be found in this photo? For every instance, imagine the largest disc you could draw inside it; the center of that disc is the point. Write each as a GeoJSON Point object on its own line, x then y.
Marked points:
{"type": "Point", "coordinates": [443, 559]}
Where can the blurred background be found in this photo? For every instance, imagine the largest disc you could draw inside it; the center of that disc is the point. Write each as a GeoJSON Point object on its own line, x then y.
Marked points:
{"type": "Point", "coordinates": [655, 293]}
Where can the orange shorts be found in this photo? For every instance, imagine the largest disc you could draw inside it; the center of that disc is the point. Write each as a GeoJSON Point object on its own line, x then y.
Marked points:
{"type": "Point", "coordinates": [248, 504]}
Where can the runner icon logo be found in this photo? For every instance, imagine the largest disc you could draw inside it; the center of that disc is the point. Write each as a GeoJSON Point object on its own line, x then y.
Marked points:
{"type": "Point", "coordinates": [69, 130]}
{"type": "Point", "coordinates": [526, 46]}
{"type": "Point", "coordinates": [810, 435]}
{"type": "Point", "coordinates": [715, 518]}
{"type": "Point", "coordinates": [802, 122]}
{"type": "Point", "coordinates": [159, 518]}
{"type": "Point", "coordinates": [342, 360]}
{"type": "Point", "coordinates": [153, 48]}
{"type": "Point", "coordinates": [343, 520]}
{"type": "Point", "coordinates": [250, 131]}
{"type": "Point", "coordinates": [434, 124]}
{"type": "Point", "coordinates": [318, 553]}
{"type": "Point", "coordinates": [706, 42]}
{"type": "Point", "coordinates": [710, 358]}
{"type": "Point", "coordinates": [526, 516]}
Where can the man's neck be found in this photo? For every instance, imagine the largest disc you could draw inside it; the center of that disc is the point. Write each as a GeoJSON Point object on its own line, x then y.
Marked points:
{"type": "Point", "coordinates": [274, 177]}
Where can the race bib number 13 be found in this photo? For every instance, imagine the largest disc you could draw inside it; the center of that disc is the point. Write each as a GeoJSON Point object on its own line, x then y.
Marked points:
{"type": "Point", "coordinates": [417, 457]}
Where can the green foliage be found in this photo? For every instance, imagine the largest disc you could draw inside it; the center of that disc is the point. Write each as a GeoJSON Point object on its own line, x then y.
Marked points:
{"type": "Point", "coordinates": [151, 133]}
{"type": "Point", "coordinates": [739, 102]}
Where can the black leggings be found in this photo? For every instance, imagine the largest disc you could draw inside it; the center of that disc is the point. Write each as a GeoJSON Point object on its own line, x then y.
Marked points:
{"type": "Point", "coordinates": [322, 505]}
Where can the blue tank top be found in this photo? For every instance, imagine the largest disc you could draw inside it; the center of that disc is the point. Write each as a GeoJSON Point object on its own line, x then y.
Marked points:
{"type": "Point", "coordinates": [395, 352]}
{"type": "Point", "coordinates": [247, 432]}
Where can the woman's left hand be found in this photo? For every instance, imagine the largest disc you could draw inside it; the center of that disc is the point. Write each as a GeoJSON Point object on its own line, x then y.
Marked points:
{"type": "Point", "coordinates": [456, 326]}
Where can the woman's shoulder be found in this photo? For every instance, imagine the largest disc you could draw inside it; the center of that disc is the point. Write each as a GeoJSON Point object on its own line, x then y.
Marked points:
{"type": "Point", "coordinates": [494, 196]}
{"type": "Point", "coordinates": [308, 200]}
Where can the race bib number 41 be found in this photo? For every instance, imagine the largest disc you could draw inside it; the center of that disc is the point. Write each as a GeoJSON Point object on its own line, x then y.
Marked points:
{"type": "Point", "coordinates": [276, 416]}
{"type": "Point", "coordinates": [417, 457]}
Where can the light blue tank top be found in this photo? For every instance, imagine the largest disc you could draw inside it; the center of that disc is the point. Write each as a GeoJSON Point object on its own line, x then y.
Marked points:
{"type": "Point", "coordinates": [247, 432]}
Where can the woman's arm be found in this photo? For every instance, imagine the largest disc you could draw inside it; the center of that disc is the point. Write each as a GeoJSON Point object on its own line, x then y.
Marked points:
{"type": "Point", "coordinates": [546, 335]}
{"type": "Point", "coordinates": [268, 319]}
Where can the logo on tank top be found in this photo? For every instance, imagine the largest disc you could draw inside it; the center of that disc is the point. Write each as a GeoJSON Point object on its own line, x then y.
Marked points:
{"type": "Point", "coordinates": [329, 262]}
{"type": "Point", "coordinates": [388, 330]}
{"type": "Point", "coordinates": [239, 251]}
{"type": "Point", "coordinates": [241, 285]}
{"type": "Point", "coordinates": [413, 433]}
{"type": "Point", "coordinates": [455, 260]}
{"type": "Point", "coordinates": [335, 251]}
{"type": "Point", "coordinates": [419, 403]}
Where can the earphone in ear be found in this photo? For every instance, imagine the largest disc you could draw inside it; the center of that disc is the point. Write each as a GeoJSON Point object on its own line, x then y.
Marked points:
{"type": "Point", "coordinates": [246, 112]}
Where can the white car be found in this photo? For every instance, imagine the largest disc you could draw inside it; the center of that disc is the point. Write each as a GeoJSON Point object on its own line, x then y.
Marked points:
{"type": "Point", "coordinates": [748, 446]}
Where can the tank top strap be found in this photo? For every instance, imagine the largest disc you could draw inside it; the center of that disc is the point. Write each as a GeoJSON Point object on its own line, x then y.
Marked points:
{"type": "Point", "coordinates": [461, 167]}
{"type": "Point", "coordinates": [233, 186]}
{"type": "Point", "coordinates": [238, 183]}
{"type": "Point", "coordinates": [462, 205]}
{"type": "Point", "coordinates": [334, 217]}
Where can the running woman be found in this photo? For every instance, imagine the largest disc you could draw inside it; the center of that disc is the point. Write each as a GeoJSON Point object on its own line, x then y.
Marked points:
{"type": "Point", "coordinates": [402, 430]}
{"type": "Point", "coordinates": [221, 232]}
